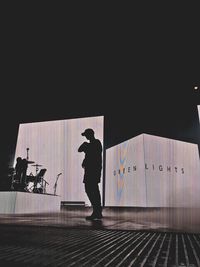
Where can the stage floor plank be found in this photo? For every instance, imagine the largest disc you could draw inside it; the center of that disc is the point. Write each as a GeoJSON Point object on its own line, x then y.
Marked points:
{"type": "Point", "coordinates": [29, 246]}
{"type": "Point", "coordinates": [166, 220]}
{"type": "Point", "coordinates": [124, 237]}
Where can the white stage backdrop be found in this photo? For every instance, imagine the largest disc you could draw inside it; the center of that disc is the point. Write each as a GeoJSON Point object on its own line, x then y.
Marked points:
{"type": "Point", "coordinates": [152, 171]}
{"type": "Point", "coordinates": [198, 108]}
{"type": "Point", "coordinates": [54, 145]}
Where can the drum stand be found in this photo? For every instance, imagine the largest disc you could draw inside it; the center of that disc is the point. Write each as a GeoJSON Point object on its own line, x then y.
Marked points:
{"type": "Point", "coordinates": [43, 186]}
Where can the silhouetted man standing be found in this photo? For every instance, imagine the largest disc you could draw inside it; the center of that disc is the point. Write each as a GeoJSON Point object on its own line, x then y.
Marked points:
{"type": "Point", "coordinates": [92, 165]}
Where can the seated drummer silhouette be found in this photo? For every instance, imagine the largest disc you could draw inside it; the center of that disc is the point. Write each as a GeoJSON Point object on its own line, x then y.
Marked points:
{"type": "Point", "coordinates": [24, 170]}
{"type": "Point", "coordinates": [20, 169]}
{"type": "Point", "coordinates": [92, 165]}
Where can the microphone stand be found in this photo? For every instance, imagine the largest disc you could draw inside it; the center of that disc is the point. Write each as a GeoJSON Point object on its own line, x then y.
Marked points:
{"type": "Point", "coordinates": [55, 185]}
{"type": "Point", "coordinates": [27, 157]}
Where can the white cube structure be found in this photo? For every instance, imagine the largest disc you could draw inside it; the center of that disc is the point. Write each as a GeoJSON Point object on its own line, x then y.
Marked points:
{"type": "Point", "coordinates": [152, 171]}
{"type": "Point", "coordinates": [54, 146]}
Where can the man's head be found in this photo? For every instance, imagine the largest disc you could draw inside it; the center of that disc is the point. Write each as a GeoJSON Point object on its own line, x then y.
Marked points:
{"type": "Point", "coordinates": [19, 159]}
{"type": "Point", "coordinates": [88, 133]}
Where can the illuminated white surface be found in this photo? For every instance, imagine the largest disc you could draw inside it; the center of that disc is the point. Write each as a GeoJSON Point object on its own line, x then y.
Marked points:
{"type": "Point", "coordinates": [21, 202]}
{"type": "Point", "coordinates": [125, 189]}
{"type": "Point", "coordinates": [54, 145]}
{"type": "Point", "coordinates": [167, 173]}
{"type": "Point", "coordinates": [198, 107]}
{"type": "Point", "coordinates": [172, 188]}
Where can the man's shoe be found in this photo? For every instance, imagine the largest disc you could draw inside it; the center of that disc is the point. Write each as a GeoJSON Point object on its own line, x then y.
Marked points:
{"type": "Point", "coordinates": [94, 217]}
{"type": "Point", "coordinates": [99, 216]}
{"type": "Point", "coordinates": [90, 218]}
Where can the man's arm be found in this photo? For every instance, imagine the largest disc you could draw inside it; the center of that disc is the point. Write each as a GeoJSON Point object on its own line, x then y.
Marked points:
{"type": "Point", "coordinates": [83, 147]}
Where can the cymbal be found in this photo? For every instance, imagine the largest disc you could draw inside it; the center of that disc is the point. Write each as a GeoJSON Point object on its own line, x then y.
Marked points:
{"type": "Point", "coordinates": [37, 165]}
{"type": "Point", "coordinates": [29, 161]}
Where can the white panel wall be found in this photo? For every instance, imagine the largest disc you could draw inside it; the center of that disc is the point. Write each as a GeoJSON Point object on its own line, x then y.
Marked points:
{"type": "Point", "coordinates": [163, 173]}
{"type": "Point", "coordinates": [54, 145]}
{"type": "Point", "coordinates": [198, 109]}
{"type": "Point", "coordinates": [125, 185]}
{"type": "Point", "coordinates": [172, 172]}
{"type": "Point", "coordinates": [46, 142]}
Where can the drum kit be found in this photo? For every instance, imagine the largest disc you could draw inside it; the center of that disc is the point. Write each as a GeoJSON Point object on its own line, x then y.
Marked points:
{"type": "Point", "coordinates": [28, 183]}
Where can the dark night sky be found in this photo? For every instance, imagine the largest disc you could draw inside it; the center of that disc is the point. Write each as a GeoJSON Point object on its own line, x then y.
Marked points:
{"type": "Point", "coordinates": [138, 69]}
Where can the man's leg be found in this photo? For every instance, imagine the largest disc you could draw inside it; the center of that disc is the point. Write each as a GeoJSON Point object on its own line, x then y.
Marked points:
{"type": "Point", "coordinates": [97, 201]}
{"type": "Point", "coordinates": [89, 192]}
{"type": "Point", "coordinates": [93, 193]}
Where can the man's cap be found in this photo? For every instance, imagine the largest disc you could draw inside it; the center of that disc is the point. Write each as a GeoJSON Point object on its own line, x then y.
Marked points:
{"type": "Point", "coordinates": [88, 131]}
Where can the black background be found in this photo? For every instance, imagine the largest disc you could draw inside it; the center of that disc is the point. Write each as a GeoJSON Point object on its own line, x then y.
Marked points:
{"type": "Point", "coordinates": [136, 65]}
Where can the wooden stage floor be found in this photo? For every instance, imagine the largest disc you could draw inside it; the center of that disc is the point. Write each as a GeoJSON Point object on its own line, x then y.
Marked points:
{"type": "Point", "coordinates": [124, 237]}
